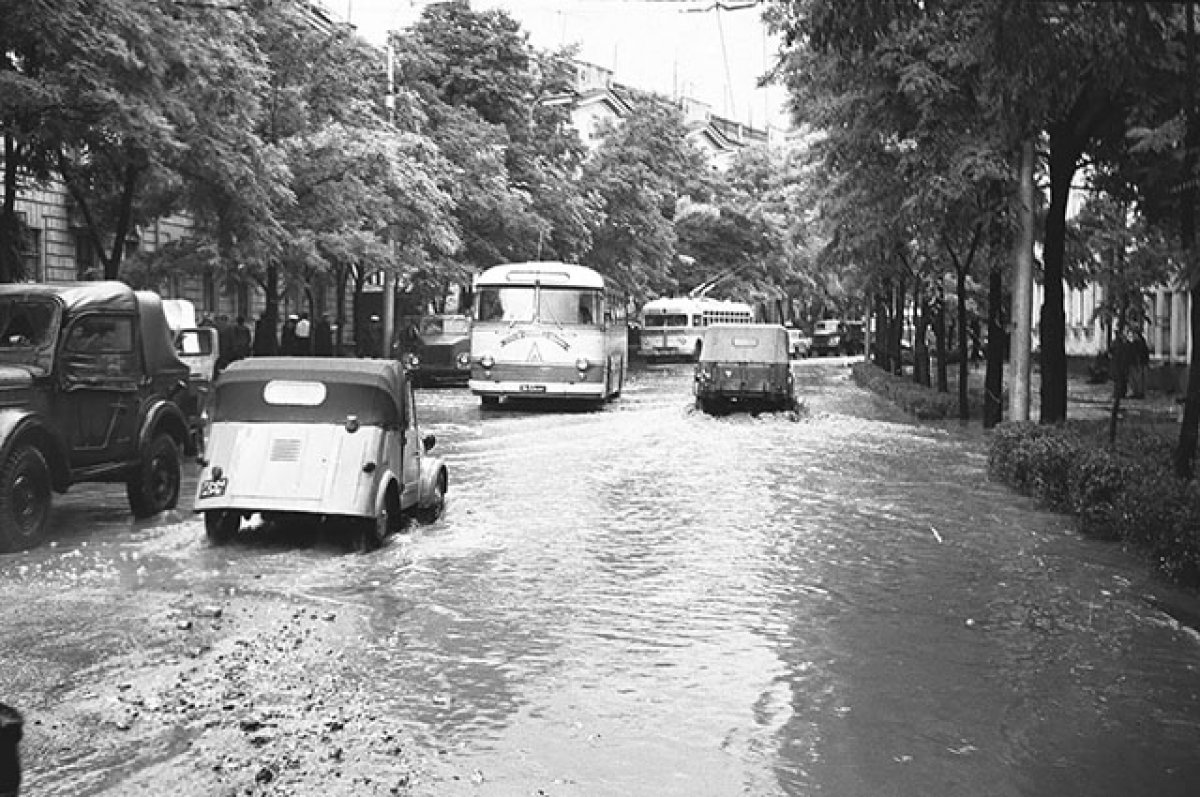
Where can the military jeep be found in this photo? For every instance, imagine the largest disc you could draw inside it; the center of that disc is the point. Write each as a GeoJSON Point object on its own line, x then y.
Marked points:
{"type": "Point", "coordinates": [91, 390]}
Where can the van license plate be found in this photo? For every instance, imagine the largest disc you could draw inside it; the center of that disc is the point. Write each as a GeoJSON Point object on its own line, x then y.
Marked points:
{"type": "Point", "coordinates": [213, 488]}
{"type": "Point", "coordinates": [533, 388]}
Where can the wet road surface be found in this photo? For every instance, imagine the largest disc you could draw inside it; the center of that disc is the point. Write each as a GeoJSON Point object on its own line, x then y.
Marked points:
{"type": "Point", "coordinates": [640, 600]}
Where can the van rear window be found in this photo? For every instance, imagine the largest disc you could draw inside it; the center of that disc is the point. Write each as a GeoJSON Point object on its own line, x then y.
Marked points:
{"type": "Point", "coordinates": [281, 392]}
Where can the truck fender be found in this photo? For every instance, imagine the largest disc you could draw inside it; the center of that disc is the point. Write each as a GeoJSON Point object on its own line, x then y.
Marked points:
{"type": "Point", "coordinates": [19, 426]}
{"type": "Point", "coordinates": [387, 480]}
{"type": "Point", "coordinates": [164, 416]}
{"type": "Point", "coordinates": [432, 469]}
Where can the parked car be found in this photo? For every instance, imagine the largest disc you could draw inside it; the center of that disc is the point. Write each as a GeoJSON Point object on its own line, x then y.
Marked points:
{"type": "Point", "coordinates": [799, 344]}
{"type": "Point", "coordinates": [744, 365]}
{"type": "Point", "coordinates": [440, 350]}
{"type": "Point", "coordinates": [835, 336]}
{"type": "Point", "coordinates": [317, 437]}
{"type": "Point", "coordinates": [91, 390]}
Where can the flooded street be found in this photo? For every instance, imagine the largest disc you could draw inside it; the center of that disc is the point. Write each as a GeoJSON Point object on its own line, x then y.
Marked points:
{"type": "Point", "coordinates": [639, 600]}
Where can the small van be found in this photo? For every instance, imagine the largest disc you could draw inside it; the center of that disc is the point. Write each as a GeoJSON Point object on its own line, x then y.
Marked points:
{"type": "Point", "coordinates": [744, 365]}
{"type": "Point", "coordinates": [329, 439]}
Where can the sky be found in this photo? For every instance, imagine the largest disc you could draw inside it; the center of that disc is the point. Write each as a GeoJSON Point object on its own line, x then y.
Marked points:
{"type": "Point", "coordinates": [674, 47]}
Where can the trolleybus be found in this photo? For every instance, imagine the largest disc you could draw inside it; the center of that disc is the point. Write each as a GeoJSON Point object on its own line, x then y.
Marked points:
{"type": "Point", "coordinates": [674, 327]}
{"type": "Point", "coordinates": [547, 330]}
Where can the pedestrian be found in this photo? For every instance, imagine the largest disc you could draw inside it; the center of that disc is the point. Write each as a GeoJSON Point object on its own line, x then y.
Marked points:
{"type": "Point", "coordinates": [243, 339]}
{"type": "Point", "coordinates": [323, 337]}
{"type": "Point", "coordinates": [370, 338]}
{"type": "Point", "coordinates": [266, 344]}
{"type": "Point", "coordinates": [303, 335]}
{"type": "Point", "coordinates": [287, 338]}
{"type": "Point", "coordinates": [1139, 363]}
{"type": "Point", "coordinates": [1120, 362]}
{"type": "Point", "coordinates": [224, 342]}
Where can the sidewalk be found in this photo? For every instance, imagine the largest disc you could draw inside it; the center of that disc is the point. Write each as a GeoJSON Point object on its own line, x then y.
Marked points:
{"type": "Point", "coordinates": [1091, 402]}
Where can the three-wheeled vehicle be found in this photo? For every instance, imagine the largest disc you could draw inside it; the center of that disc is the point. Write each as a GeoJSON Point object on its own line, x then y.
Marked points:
{"type": "Point", "coordinates": [746, 365]}
{"type": "Point", "coordinates": [331, 439]}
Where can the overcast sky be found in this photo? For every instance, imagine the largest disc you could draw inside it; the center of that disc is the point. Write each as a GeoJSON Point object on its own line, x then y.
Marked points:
{"type": "Point", "coordinates": [676, 47]}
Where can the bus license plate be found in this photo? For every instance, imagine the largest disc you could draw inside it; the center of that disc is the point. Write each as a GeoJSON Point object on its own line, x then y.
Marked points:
{"type": "Point", "coordinates": [533, 388]}
{"type": "Point", "coordinates": [213, 488]}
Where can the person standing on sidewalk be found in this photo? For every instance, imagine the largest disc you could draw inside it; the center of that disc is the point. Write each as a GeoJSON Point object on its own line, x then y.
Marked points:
{"type": "Point", "coordinates": [1139, 362]}
{"type": "Point", "coordinates": [1122, 351]}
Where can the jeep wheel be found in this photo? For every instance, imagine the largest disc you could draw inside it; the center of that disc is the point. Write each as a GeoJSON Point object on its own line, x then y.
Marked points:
{"type": "Point", "coordinates": [221, 525]}
{"type": "Point", "coordinates": [24, 498]}
{"type": "Point", "coordinates": [154, 487]}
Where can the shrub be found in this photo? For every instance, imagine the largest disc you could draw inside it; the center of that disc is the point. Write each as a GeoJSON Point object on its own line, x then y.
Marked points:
{"type": "Point", "coordinates": [1129, 495]}
{"type": "Point", "coordinates": [923, 402]}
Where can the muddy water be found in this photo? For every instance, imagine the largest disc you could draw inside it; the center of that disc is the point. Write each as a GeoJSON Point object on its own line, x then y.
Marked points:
{"type": "Point", "coordinates": [645, 600]}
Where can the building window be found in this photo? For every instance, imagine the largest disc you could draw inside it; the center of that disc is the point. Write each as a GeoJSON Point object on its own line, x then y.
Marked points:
{"type": "Point", "coordinates": [31, 253]}
{"type": "Point", "coordinates": [85, 255]}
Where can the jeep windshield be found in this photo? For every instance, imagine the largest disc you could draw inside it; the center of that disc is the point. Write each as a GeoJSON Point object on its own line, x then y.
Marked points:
{"type": "Point", "coordinates": [28, 331]}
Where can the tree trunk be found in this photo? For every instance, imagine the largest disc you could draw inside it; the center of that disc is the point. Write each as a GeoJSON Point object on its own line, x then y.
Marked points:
{"type": "Point", "coordinates": [1185, 451]}
{"type": "Point", "coordinates": [11, 267]}
{"type": "Point", "coordinates": [993, 407]}
{"type": "Point", "coordinates": [964, 373]}
{"type": "Point", "coordinates": [939, 333]}
{"type": "Point", "coordinates": [112, 264]}
{"type": "Point", "coordinates": [899, 299]}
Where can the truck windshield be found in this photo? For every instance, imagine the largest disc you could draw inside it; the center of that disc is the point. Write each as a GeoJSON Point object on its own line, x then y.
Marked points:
{"type": "Point", "coordinates": [28, 330]}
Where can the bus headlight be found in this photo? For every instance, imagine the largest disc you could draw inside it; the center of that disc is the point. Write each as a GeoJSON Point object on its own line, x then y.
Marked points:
{"type": "Point", "coordinates": [582, 364]}
{"type": "Point", "coordinates": [487, 361]}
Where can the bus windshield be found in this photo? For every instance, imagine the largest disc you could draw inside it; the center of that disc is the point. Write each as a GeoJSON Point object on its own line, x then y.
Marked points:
{"type": "Point", "coordinates": [526, 304]}
{"type": "Point", "coordinates": [667, 320]}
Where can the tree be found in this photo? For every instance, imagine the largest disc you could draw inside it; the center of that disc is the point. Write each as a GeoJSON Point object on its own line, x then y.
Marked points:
{"type": "Point", "coordinates": [642, 170]}
{"type": "Point", "coordinates": [491, 105]}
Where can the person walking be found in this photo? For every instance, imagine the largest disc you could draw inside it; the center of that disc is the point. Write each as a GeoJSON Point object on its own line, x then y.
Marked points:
{"type": "Point", "coordinates": [265, 343]}
{"type": "Point", "coordinates": [323, 337]}
{"type": "Point", "coordinates": [1139, 363]}
{"type": "Point", "coordinates": [243, 339]}
{"type": "Point", "coordinates": [303, 335]}
{"type": "Point", "coordinates": [287, 337]}
{"type": "Point", "coordinates": [1122, 361]}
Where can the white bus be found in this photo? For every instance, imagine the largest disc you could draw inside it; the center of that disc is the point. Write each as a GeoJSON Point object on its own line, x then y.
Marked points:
{"type": "Point", "coordinates": [674, 327]}
{"type": "Point", "coordinates": [547, 330]}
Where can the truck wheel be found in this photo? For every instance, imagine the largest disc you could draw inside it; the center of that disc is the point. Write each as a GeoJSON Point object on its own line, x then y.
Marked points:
{"type": "Point", "coordinates": [154, 486]}
{"type": "Point", "coordinates": [220, 525]}
{"type": "Point", "coordinates": [24, 498]}
{"type": "Point", "coordinates": [489, 401]}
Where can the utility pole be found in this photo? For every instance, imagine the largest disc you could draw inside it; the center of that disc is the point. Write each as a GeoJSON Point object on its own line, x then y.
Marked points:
{"type": "Point", "coordinates": [389, 275]}
{"type": "Point", "coordinates": [1022, 303]}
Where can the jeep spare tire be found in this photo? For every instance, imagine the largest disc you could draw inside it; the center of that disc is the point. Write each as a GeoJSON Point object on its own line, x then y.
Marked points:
{"type": "Point", "coordinates": [153, 487]}
{"type": "Point", "coordinates": [24, 498]}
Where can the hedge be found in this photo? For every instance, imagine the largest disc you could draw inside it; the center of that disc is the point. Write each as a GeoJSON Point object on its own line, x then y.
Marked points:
{"type": "Point", "coordinates": [1129, 494]}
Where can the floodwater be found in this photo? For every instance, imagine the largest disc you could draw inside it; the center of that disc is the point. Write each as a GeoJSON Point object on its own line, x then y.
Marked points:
{"type": "Point", "coordinates": [645, 600]}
